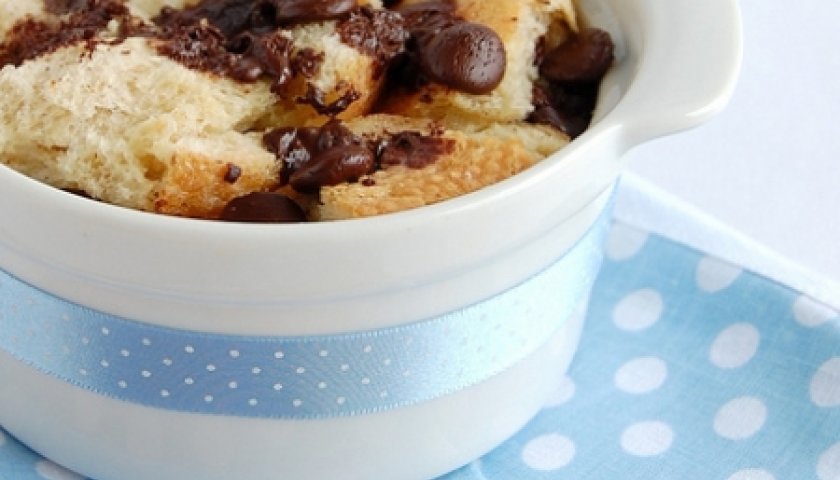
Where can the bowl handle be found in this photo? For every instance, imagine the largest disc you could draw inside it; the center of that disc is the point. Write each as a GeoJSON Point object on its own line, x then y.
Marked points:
{"type": "Point", "coordinates": [688, 56]}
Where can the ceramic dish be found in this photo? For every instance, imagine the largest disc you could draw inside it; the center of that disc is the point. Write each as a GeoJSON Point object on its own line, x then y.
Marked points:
{"type": "Point", "coordinates": [374, 348]}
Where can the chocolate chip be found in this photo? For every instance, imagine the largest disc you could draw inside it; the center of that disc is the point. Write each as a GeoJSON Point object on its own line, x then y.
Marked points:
{"type": "Point", "coordinates": [445, 48]}
{"type": "Point", "coordinates": [263, 207]}
{"type": "Point", "coordinates": [466, 56]}
{"type": "Point", "coordinates": [333, 166]}
{"type": "Point", "coordinates": [583, 59]}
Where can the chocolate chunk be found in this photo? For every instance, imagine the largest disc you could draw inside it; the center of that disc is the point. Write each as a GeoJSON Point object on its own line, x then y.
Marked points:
{"type": "Point", "coordinates": [583, 59]}
{"type": "Point", "coordinates": [232, 173]}
{"type": "Point", "coordinates": [466, 56]}
{"type": "Point", "coordinates": [263, 207]}
{"type": "Point", "coordinates": [573, 72]}
{"type": "Point", "coordinates": [291, 146]}
{"type": "Point", "coordinates": [413, 150]}
{"type": "Point", "coordinates": [568, 109]}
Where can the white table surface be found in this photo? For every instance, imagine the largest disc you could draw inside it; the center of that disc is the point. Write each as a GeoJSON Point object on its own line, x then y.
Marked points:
{"type": "Point", "coordinates": [769, 166]}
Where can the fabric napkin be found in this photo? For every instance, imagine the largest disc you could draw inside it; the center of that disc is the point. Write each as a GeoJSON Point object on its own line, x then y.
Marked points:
{"type": "Point", "coordinates": [690, 367]}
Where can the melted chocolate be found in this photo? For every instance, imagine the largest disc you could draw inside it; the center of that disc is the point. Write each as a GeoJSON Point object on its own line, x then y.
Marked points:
{"type": "Point", "coordinates": [316, 157]}
{"type": "Point", "coordinates": [307, 62]}
{"type": "Point", "coordinates": [263, 207]}
{"type": "Point", "coordinates": [61, 7]}
{"type": "Point", "coordinates": [380, 34]}
{"type": "Point", "coordinates": [242, 39]}
{"type": "Point", "coordinates": [316, 98]}
{"type": "Point", "coordinates": [312, 158]}
{"type": "Point", "coordinates": [302, 11]}
{"type": "Point", "coordinates": [413, 149]}
{"type": "Point", "coordinates": [31, 38]}
{"type": "Point", "coordinates": [247, 58]}
{"type": "Point", "coordinates": [233, 17]}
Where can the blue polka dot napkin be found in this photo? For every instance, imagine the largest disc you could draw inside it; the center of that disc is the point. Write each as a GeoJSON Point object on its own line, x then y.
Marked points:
{"type": "Point", "coordinates": [689, 368]}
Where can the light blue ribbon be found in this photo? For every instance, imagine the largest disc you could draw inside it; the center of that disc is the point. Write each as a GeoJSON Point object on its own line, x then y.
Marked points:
{"type": "Point", "coordinates": [294, 377]}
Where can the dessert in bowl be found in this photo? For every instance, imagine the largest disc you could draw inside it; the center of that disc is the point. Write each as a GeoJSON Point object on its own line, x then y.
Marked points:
{"type": "Point", "coordinates": [401, 345]}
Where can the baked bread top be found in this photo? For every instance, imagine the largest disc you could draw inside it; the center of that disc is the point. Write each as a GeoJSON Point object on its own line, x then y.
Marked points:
{"type": "Point", "coordinates": [170, 106]}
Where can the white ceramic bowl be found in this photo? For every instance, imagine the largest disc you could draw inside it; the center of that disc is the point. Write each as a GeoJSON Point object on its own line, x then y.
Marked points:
{"type": "Point", "coordinates": [678, 61]}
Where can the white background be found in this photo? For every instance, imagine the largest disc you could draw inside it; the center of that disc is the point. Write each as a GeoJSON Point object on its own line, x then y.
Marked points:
{"type": "Point", "coordinates": [769, 166]}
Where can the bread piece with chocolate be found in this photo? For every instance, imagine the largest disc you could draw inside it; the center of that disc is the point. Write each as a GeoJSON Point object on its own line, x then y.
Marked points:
{"type": "Point", "coordinates": [423, 164]}
{"type": "Point", "coordinates": [133, 128]}
{"type": "Point", "coordinates": [437, 29]}
{"type": "Point", "coordinates": [331, 61]}
{"type": "Point", "coordinates": [343, 65]}
{"type": "Point", "coordinates": [261, 111]}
